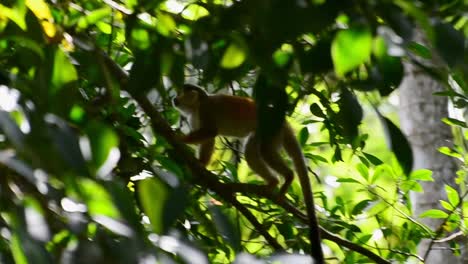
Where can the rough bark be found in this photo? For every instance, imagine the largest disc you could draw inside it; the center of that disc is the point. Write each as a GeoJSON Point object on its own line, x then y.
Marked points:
{"type": "Point", "coordinates": [420, 114]}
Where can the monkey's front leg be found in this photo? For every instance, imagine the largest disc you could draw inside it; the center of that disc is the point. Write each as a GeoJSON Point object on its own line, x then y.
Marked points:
{"type": "Point", "coordinates": [206, 150]}
{"type": "Point", "coordinates": [199, 136]}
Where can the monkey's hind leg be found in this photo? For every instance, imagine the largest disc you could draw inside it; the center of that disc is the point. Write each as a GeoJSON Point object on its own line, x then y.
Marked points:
{"type": "Point", "coordinates": [273, 158]}
{"type": "Point", "coordinates": [257, 164]}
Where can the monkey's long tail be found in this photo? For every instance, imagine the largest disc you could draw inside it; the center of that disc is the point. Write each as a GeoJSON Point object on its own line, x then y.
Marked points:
{"type": "Point", "coordinates": [294, 150]}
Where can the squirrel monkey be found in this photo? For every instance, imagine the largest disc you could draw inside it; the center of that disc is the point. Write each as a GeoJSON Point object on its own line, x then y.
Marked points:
{"type": "Point", "coordinates": [227, 115]}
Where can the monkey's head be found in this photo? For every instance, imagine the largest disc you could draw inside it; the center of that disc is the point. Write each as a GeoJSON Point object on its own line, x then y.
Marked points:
{"type": "Point", "coordinates": [188, 100]}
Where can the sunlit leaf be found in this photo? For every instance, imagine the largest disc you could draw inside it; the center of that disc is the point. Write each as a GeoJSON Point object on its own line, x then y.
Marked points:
{"type": "Point", "coordinates": [194, 12]}
{"type": "Point", "coordinates": [63, 71]}
{"type": "Point", "coordinates": [434, 213]}
{"type": "Point", "coordinates": [17, 13]}
{"type": "Point", "coordinates": [446, 205]}
{"type": "Point", "coordinates": [421, 175]}
{"type": "Point", "coordinates": [42, 12]}
{"type": "Point", "coordinates": [140, 38]}
{"type": "Point", "coordinates": [98, 199]}
{"type": "Point", "coordinates": [17, 250]}
{"type": "Point", "coordinates": [234, 55]}
{"type": "Point", "coordinates": [351, 48]}
{"type": "Point", "coordinates": [454, 122]}
{"type": "Point", "coordinates": [349, 180]}
{"type": "Point", "coordinates": [165, 24]}
{"type": "Point", "coordinates": [363, 171]}
{"type": "Point", "coordinates": [153, 195]}
{"type": "Point", "coordinates": [104, 148]}
{"type": "Point", "coordinates": [94, 17]}
{"type": "Point", "coordinates": [414, 186]}
{"type": "Point", "coordinates": [452, 195]}
{"type": "Point", "coordinates": [449, 152]}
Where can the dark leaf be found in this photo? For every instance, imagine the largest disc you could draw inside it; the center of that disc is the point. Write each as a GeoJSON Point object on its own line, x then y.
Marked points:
{"type": "Point", "coordinates": [398, 143]}
{"type": "Point", "coordinates": [66, 142]}
{"type": "Point", "coordinates": [359, 207]}
{"type": "Point", "coordinates": [373, 159]}
{"type": "Point", "coordinates": [350, 115]}
{"type": "Point", "coordinates": [449, 42]}
{"type": "Point", "coordinates": [226, 228]}
{"type": "Point", "coordinates": [12, 131]}
{"type": "Point", "coordinates": [272, 102]}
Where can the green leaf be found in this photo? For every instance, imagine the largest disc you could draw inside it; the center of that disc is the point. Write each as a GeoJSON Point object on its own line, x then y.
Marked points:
{"type": "Point", "coordinates": [104, 148]}
{"type": "Point", "coordinates": [447, 205]}
{"type": "Point", "coordinates": [226, 228]}
{"type": "Point", "coordinates": [11, 130]}
{"type": "Point", "coordinates": [452, 196]}
{"type": "Point", "coordinates": [94, 17]}
{"type": "Point", "coordinates": [303, 136]}
{"type": "Point", "coordinates": [359, 207]}
{"type": "Point", "coordinates": [373, 159]}
{"type": "Point", "coordinates": [153, 195]}
{"type": "Point", "coordinates": [454, 122]}
{"type": "Point", "coordinates": [234, 55]}
{"type": "Point", "coordinates": [16, 247]}
{"type": "Point", "coordinates": [363, 171]}
{"type": "Point", "coordinates": [66, 142]}
{"type": "Point", "coordinates": [98, 200]}
{"type": "Point", "coordinates": [165, 24]}
{"type": "Point", "coordinates": [315, 158]}
{"type": "Point", "coordinates": [449, 152]}
{"type": "Point", "coordinates": [348, 180]}
{"type": "Point", "coordinates": [351, 48]}
{"type": "Point", "coordinates": [63, 72]}
{"type": "Point", "coordinates": [421, 175]}
{"type": "Point", "coordinates": [414, 186]}
{"type": "Point", "coordinates": [316, 110]}
{"type": "Point", "coordinates": [16, 14]}
{"type": "Point", "coordinates": [434, 213]}
{"type": "Point", "coordinates": [420, 50]}
{"type": "Point", "coordinates": [140, 38]}
{"type": "Point", "coordinates": [194, 12]}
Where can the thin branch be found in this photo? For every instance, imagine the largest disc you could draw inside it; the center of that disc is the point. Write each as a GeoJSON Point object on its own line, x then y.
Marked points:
{"type": "Point", "coordinates": [453, 236]}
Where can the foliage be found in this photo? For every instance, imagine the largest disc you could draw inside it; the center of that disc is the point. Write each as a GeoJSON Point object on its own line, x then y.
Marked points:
{"type": "Point", "coordinates": [91, 171]}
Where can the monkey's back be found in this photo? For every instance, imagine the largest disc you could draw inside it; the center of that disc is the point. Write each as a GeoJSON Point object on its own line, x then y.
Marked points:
{"type": "Point", "coordinates": [234, 115]}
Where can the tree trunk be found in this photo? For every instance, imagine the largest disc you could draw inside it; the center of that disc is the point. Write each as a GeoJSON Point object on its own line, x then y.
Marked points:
{"type": "Point", "coordinates": [420, 114]}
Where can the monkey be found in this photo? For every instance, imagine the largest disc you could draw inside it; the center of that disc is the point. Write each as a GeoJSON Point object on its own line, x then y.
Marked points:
{"type": "Point", "coordinates": [234, 116]}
